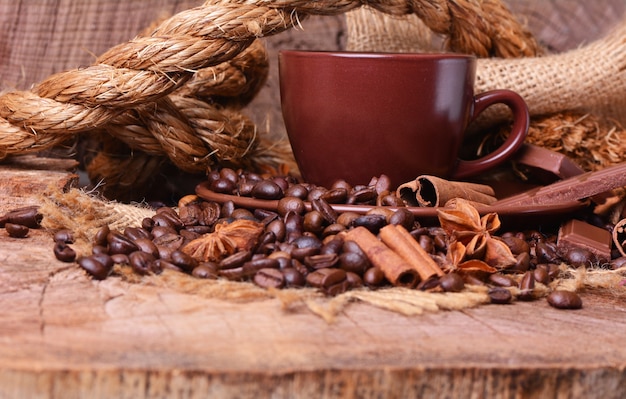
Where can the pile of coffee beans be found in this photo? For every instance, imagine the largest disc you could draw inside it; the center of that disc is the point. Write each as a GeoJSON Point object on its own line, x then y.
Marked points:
{"type": "Point", "coordinates": [301, 244]}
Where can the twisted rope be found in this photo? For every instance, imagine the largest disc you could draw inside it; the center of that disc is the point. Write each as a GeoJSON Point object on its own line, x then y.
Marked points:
{"type": "Point", "coordinates": [140, 92]}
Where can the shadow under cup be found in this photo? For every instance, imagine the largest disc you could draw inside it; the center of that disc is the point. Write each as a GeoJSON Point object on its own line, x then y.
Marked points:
{"type": "Point", "coordinates": [353, 116]}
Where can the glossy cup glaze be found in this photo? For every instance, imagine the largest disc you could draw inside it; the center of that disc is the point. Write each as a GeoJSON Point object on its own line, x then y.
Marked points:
{"type": "Point", "coordinates": [353, 116]}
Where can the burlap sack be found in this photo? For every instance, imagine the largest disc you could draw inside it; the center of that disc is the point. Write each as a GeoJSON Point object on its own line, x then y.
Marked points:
{"type": "Point", "coordinates": [588, 79]}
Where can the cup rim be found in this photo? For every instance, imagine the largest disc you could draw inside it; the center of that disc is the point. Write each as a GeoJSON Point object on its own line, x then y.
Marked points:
{"type": "Point", "coordinates": [375, 54]}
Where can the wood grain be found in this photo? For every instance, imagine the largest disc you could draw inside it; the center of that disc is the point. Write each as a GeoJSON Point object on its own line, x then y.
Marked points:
{"type": "Point", "coordinates": [64, 335]}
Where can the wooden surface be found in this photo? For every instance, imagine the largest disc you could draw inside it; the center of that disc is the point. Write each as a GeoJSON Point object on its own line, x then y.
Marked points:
{"type": "Point", "coordinates": [63, 335]}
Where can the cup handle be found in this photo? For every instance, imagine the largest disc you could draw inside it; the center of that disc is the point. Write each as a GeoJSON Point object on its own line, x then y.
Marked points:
{"type": "Point", "coordinates": [521, 121]}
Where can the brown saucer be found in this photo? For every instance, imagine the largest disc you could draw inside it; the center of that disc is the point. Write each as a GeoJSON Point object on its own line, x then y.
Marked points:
{"type": "Point", "coordinates": [510, 215]}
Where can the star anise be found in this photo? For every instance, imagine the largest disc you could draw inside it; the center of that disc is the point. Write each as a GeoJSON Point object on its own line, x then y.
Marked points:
{"type": "Point", "coordinates": [226, 239]}
{"type": "Point", "coordinates": [472, 245]}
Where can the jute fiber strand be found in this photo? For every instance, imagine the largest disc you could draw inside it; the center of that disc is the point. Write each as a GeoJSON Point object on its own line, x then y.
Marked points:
{"type": "Point", "coordinates": [157, 93]}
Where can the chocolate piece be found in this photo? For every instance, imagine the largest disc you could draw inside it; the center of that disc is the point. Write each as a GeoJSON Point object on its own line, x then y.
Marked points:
{"type": "Point", "coordinates": [560, 165]}
{"type": "Point", "coordinates": [579, 187]}
{"type": "Point", "coordinates": [576, 234]}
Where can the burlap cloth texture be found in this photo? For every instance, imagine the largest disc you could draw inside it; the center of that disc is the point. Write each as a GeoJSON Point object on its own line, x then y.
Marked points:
{"type": "Point", "coordinates": [174, 94]}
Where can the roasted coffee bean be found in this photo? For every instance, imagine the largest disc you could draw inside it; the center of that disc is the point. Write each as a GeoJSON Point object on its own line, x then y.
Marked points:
{"type": "Point", "coordinates": [501, 280]}
{"type": "Point", "coordinates": [99, 249]}
{"type": "Point", "coordinates": [235, 260]}
{"type": "Point", "coordinates": [245, 187]}
{"type": "Point", "coordinates": [340, 183]}
{"type": "Point", "coordinates": [229, 174]}
{"type": "Point", "coordinates": [527, 287]}
{"type": "Point", "coordinates": [578, 257]}
{"type": "Point", "coordinates": [96, 269]}
{"type": "Point", "coordinates": [105, 259]}
{"type": "Point", "coordinates": [362, 196]}
{"type": "Point", "coordinates": [120, 259]}
{"type": "Point", "coordinates": [391, 200]}
{"type": "Point", "coordinates": [100, 238]}
{"type": "Point", "coordinates": [65, 236]}
{"type": "Point", "coordinates": [325, 278]}
{"type": "Point", "coordinates": [293, 225]}
{"type": "Point", "coordinates": [167, 219]}
{"type": "Point", "coordinates": [351, 246]}
{"type": "Point", "coordinates": [541, 275]}
{"type": "Point", "coordinates": [522, 263]}
{"type": "Point", "coordinates": [427, 243]}
{"type": "Point", "coordinates": [290, 204]}
{"type": "Point", "coordinates": [269, 278]}
{"type": "Point", "coordinates": [298, 191]}
{"type": "Point", "coordinates": [146, 245]}
{"type": "Point", "coordinates": [307, 242]}
{"type": "Point", "coordinates": [134, 233]}
{"type": "Point", "coordinates": [381, 211]}
{"type": "Point", "coordinates": [314, 222]}
{"type": "Point", "coordinates": [452, 282]}
{"type": "Point", "coordinates": [300, 267]}
{"type": "Point", "coordinates": [147, 223]}
{"type": "Point", "coordinates": [188, 235]}
{"type": "Point", "coordinates": [347, 218]}
{"type": "Point", "coordinates": [120, 244]}
{"type": "Point", "coordinates": [325, 209]}
{"type": "Point", "coordinates": [371, 222]}
{"type": "Point", "coordinates": [472, 280]}
{"type": "Point", "coordinates": [500, 295]}
{"type": "Point", "coordinates": [16, 230]}
{"type": "Point", "coordinates": [546, 252]}
{"type": "Point", "coordinates": [338, 288]}
{"type": "Point", "coordinates": [168, 243]}
{"type": "Point", "coordinates": [64, 252]}
{"type": "Point", "coordinates": [141, 262]}
{"type": "Point", "coordinates": [284, 261]}
{"type": "Point", "coordinates": [203, 271]}
{"type": "Point", "coordinates": [277, 227]}
{"type": "Point", "coordinates": [281, 182]}
{"type": "Point", "coordinates": [162, 264]}
{"type": "Point", "coordinates": [354, 280]}
{"type": "Point", "coordinates": [354, 262]}
{"type": "Point", "coordinates": [562, 299]}
{"type": "Point", "coordinates": [335, 195]}
{"type": "Point", "coordinates": [315, 193]}
{"type": "Point", "coordinates": [333, 246]}
{"type": "Point", "coordinates": [374, 277]}
{"type": "Point", "coordinates": [265, 216]}
{"type": "Point", "coordinates": [403, 217]}
{"type": "Point", "coordinates": [321, 261]}
{"type": "Point", "coordinates": [242, 214]}
{"type": "Point", "coordinates": [256, 264]}
{"type": "Point", "coordinates": [28, 216]}
{"type": "Point", "coordinates": [301, 253]}
{"type": "Point", "coordinates": [428, 284]}
{"type": "Point", "coordinates": [223, 186]}
{"type": "Point", "coordinates": [440, 243]}
{"type": "Point", "coordinates": [183, 260]}
{"type": "Point", "coordinates": [267, 190]}
{"type": "Point", "coordinates": [158, 231]}
{"type": "Point", "coordinates": [293, 278]}
{"type": "Point", "coordinates": [516, 245]}
{"type": "Point", "coordinates": [333, 229]}
{"type": "Point", "coordinates": [211, 212]}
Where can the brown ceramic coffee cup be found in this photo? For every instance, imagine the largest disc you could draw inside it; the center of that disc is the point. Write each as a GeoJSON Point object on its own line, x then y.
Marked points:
{"type": "Point", "coordinates": [354, 116]}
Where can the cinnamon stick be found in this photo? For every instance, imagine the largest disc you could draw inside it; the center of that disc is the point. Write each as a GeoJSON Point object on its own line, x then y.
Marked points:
{"type": "Point", "coordinates": [401, 241]}
{"type": "Point", "coordinates": [397, 270]}
{"type": "Point", "coordinates": [429, 190]}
